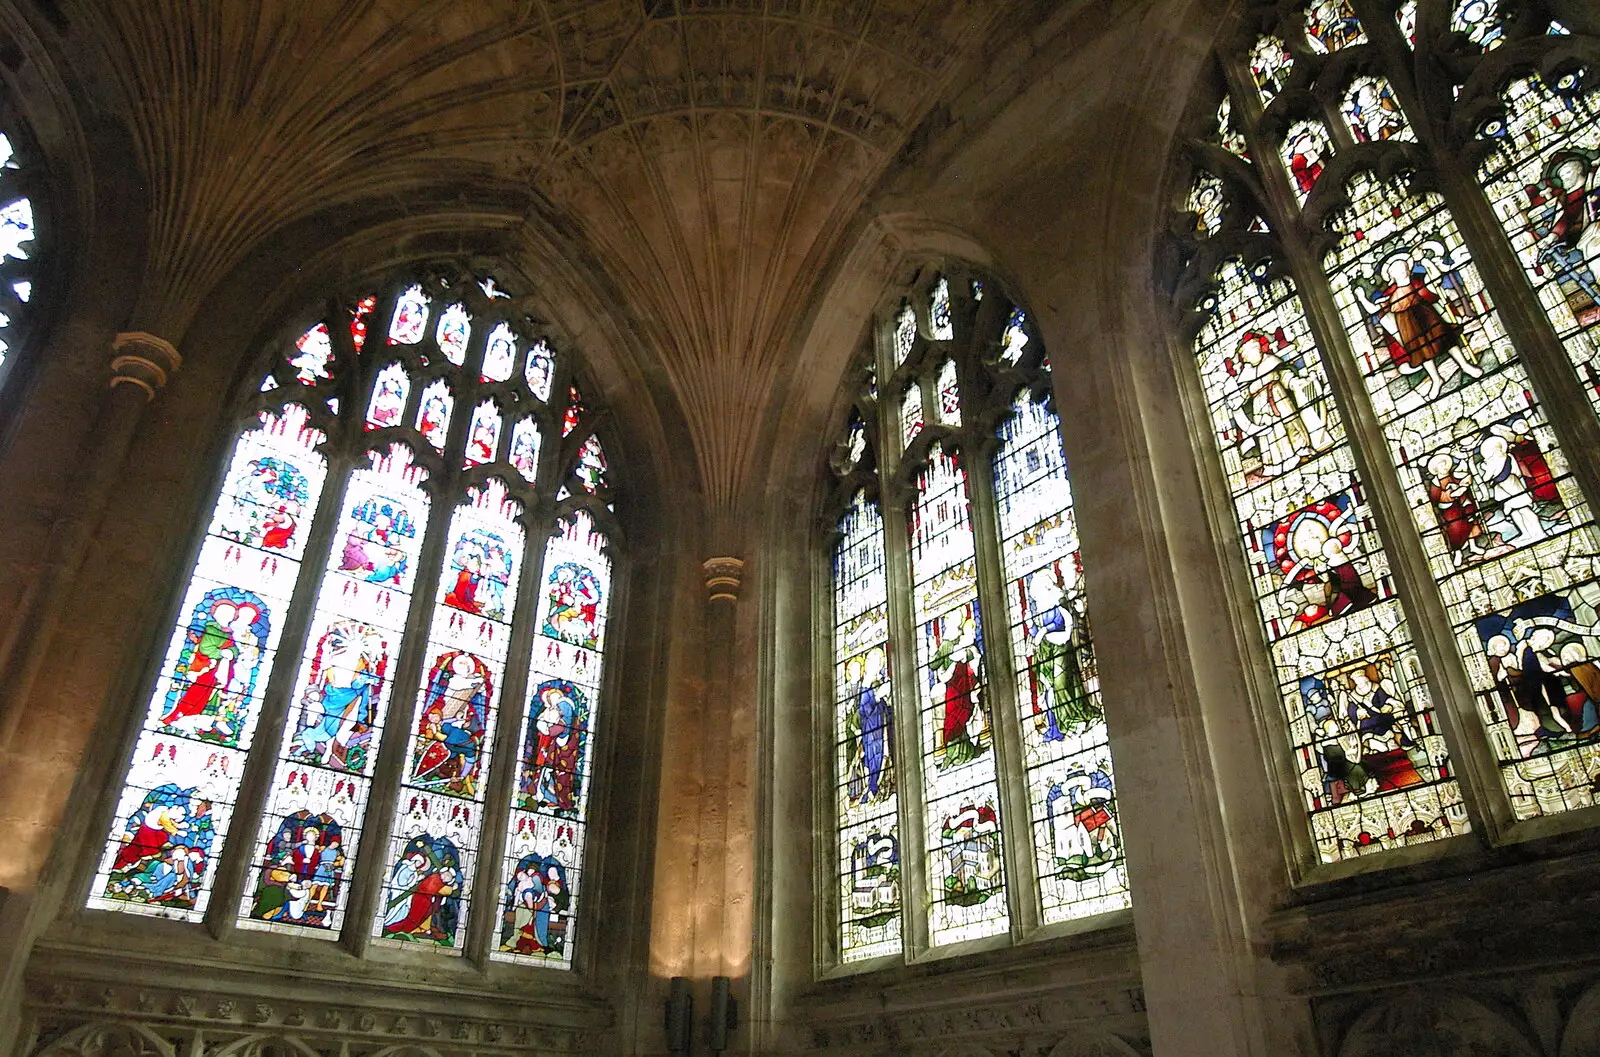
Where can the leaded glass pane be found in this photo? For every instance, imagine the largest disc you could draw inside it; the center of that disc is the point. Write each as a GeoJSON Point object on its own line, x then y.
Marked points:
{"type": "Point", "coordinates": [961, 787]}
{"type": "Point", "coordinates": [868, 831]}
{"type": "Point", "coordinates": [1071, 794]}
{"type": "Point", "coordinates": [341, 694]}
{"type": "Point", "coordinates": [1374, 770]}
{"type": "Point", "coordinates": [1507, 531]}
{"type": "Point", "coordinates": [1331, 25]}
{"type": "Point", "coordinates": [179, 794]}
{"type": "Point", "coordinates": [548, 828]}
{"type": "Point", "coordinates": [1544, 184]}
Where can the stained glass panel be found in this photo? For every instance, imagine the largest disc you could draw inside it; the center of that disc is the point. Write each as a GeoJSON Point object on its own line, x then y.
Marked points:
{"type": "Point", "coordinates": [1373, 767]}
{"type": "Point", "coordinates": [939, 311]}
{"type": "Point", "coordinates": [1306, 148]}
{"type": "Point", "coordinates": [312, 353]}
{"type": "Point", "coordinates": [431, 856]}
{"type": "Point", "coordinates": [867, 798]}
{"type": "Point", "coordinates": [1206, 202]}
{"type": "Point", "coordinates": [433, 413]}
{"type": "Point", "coordinates": [182, 782]}
{"type": "Point", "coordinates": [540, 370]}
{"type": "Point", "coordinates": [454, 330]}
{"type": "Point", "coordinates": [1481, 20]}
{"type": "Point", "coordinates": [483, 435]}
{"type": "Point", "coordinates": [905, 334]}
{"type": "Point", "coordinates": [1406, 19]}
{"type": "Point", "coordinates": [547, 830]}
{"type": "Point", "coordinates": [1071, 793]}
{"type": "Point", "coordinates": [1015, 337]}
{"type": "Point", "coordinates": [1544, 184]}
{"type": "Point", "coordinates": [524, 454]}
{"type": "Point", "coordinates": [500, 354]}
{"type": "Point", "coordinates": [410, 320]}
{"type": "Point", "coordinates": [911, 413]}
{"type": "Point", "coordinates": [1372, 112]}
{"type": "Point", "coordinates": [949, 394]}
{"type": "Point", "coordinates": [1331, 25]}
{"type": "Point", "coordinates": [591, 466]}
{"type": "Point", "coordinates": [1270, 66]}
{"type": "Point", "coordinates": [1228, 135]}
{"type": "Point", "coordinates": [961, 790]}
{"type": "Point", "coordinates": [318, 795]}
{"type": "Point", "coordinates": [1503, 523]}
{"type": "Point", "coordinates": [390, 391]}
{"type": "Point", "coordinates": [360, 315]}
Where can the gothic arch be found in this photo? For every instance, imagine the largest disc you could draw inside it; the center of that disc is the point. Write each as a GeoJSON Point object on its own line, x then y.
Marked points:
{"type": "Point", "coordinates": [109, 1038]}
{"type": "Point", "coordinates": [267, 1045]}
{"type": "Point", "coordinates": [1435, 1024]}
{"type": "Point", "coordinates": [1095, 1046]}
{"type": "Point", "coordinates": [1582, 1035]}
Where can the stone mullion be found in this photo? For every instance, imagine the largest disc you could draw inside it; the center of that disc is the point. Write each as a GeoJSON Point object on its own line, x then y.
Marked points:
{"type": "Point", "coordinates": [261, 764]}
{"type": "Point", "coordinates": [501, 786]}
{"type": "Point", "coordinates": [1431, 632]}
{"type": "Point", "coordinates": [894, 506]}
{"type": "Point", "coordinates": [1011, 770]}
{"type": "Point", "coordinates": [827, 929]}
{"type": "Point", "coordinates": [367, 879]}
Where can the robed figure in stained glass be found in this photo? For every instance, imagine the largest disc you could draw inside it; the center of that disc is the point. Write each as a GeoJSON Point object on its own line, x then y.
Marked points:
{"type": "Point", "coordinates": [216, 670]}
{"type": "Point", "coordinates": [533, 918]}
{"type": "Point", "coordinates": [955, 665]}
{"type": "Point", "coordinates": [867, 730]}
{"type": "Point", "coordinates": [449, 739]}
{"type": "Point", "coordinates": [1083, 824]}
{"type": "Point", "coordinates": [423, 898]}
{"type": "Point", "coordinates": [1565, 219]}
{"type": "Point", "coordinates": [1276, 402]}
{"type": "Point", "coordinates": [301, 871]}
{"type": "Point", "coordinates": [165, 844]}
{"type": "Point", "coordinates": [554, 747]}
{"type": "Point", "coordinates": [336, 710]}
{"type": "Point", "coordinates": [573, 613]}
{"type": "Point", "coordinates": [1406, 310]}
{"type": "Point", "coordinates": [1057, 665]}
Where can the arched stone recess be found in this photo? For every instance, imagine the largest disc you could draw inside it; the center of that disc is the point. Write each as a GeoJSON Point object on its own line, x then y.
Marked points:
{"type": "Point", "coordinates": [1095, 1046]}
{"type": "Point", "coordinates": [267, 1046]}
{"type": "Point", "coordinates": [1431, 1024]}
{"type": "Point", "coordinates": [406, 1050]}
{"type": "Point", "coordinates": [1582, 1035]}
{"type": "Point", "coordinates": [107, 1038]}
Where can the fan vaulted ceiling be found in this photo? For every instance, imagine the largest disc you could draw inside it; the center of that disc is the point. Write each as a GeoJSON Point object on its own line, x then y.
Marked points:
{"type": "Point", "coordinates": [709, 152]}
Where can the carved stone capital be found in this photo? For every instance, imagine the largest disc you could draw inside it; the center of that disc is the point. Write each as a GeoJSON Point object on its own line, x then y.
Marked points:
{"type": "Point", "coordinates": [143, 360]}
{"type": "Point", "coordinates": [723, 578]}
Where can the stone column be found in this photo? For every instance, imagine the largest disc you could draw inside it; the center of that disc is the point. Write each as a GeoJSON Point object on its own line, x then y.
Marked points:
{"type": "Point", "coordinates": [141, 363]}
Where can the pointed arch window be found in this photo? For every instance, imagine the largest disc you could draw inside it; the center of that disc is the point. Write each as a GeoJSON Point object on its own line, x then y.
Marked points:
{"type": "Point", "coordinates": [1384, 274]}
{"type": "Point", "coordinates": [974, 797]}
{"type": "Point", "coordinates": [19, 243]}
{"type": "Point", "coordinates": [375, 715]}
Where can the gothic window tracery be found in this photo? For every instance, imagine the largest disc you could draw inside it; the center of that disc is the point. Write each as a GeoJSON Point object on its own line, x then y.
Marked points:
{"type": "Point", "coordinates": [376, 712]}
{"type": "Point", "coordinates": [974, 793]}
{"type": "Point", "coordinates": [1383, 270]}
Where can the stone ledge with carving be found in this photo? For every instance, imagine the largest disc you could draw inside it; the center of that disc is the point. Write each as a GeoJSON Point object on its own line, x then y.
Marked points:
{"type": "Point", "coordinates": [1526, 915]}
{"type": "Point", "coordinates": [199, 1022]}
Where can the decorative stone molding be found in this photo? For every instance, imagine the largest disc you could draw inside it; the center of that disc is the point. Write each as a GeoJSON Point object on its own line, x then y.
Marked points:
{"type": "Point", "coordinates": [143, 360]}
{"type": "Point", "coordinates": [93, 1019]}
{"type": "Point", "coordinates": [1077, 1023]}
{"type": "Point", "coordinates": [723, 578]}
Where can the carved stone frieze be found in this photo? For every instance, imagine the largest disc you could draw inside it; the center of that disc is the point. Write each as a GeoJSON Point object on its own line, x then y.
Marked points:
{"type": "Point", "coordinates": [90, 1019]}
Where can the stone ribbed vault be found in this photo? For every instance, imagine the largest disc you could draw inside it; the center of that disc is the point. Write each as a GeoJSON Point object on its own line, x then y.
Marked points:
{"type": "Point", "coordinates": [708, 152]}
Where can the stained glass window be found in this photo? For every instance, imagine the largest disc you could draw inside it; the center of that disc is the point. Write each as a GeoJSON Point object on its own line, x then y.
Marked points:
{"type": "Point", "coordinates": [1001, 709]}
{"type": "Point", "coordinates": [436, 555]}
{"type": "Point", "coordinates": [1455, 398]}
{"type": "Point", "coordinates": [17, 251]}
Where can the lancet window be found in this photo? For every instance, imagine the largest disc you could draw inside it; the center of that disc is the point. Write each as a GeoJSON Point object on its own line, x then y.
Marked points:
{"type": "Point", "coordinates": [18, 247]}
{"type": "Point", "coordinates": [374, 717]}
{"type": "Point", "coordinates": [971, 775]}
{"type": "Point", "coordinates": [1385, 278]}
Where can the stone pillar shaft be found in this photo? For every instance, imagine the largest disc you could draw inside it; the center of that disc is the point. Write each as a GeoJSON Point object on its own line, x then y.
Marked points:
{"type": "Point", "coordinates": [140, 366]}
